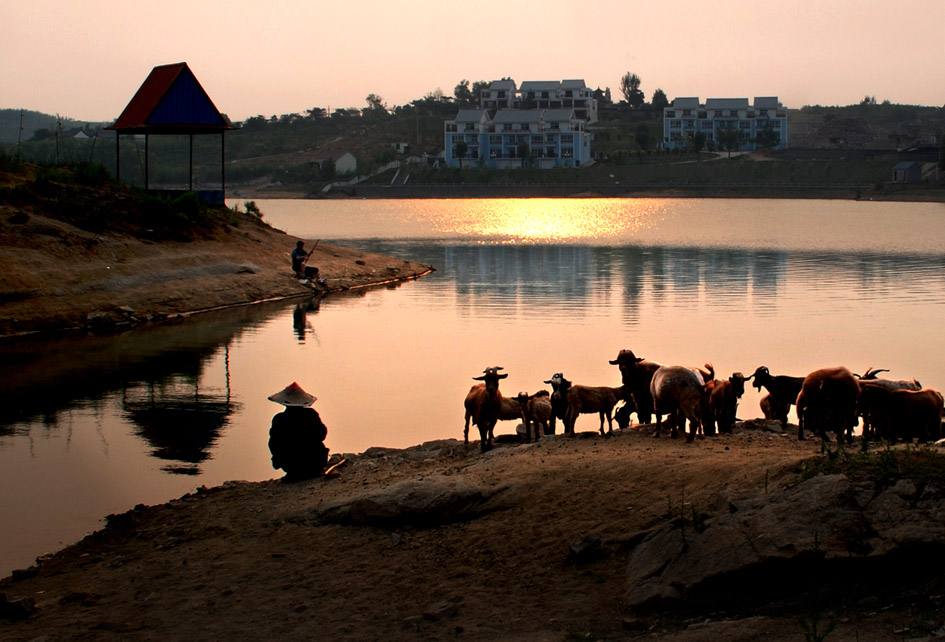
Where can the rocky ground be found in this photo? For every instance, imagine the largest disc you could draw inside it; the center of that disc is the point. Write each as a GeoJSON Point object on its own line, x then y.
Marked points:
{"type": "Point", "coordinates": [733, 537]}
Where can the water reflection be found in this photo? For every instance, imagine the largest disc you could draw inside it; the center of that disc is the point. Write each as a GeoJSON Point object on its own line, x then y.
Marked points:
{"type": "Point", "coordinates": [45, 379]}
{"type": "Point", "coordinates": [178, 421]}
{"type": "Point", "coordinates": [300, 321]}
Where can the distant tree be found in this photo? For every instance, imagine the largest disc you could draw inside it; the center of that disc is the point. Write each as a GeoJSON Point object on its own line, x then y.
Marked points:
{"type": "Point", "coordinates": [477, 88]}
{"type": "Point", "coordinates": [642, 135]}
{"type": "Point", "coordinates": [659, 100]}
{"type": "Point", "coordinates": [523, 151]}
{"type": "Point", "coordinates": [461, 149]}
{"type": "Point", "coordinates": [42, 134]}
{"type": "Point", "coordinates": [254, 123]}
{"type": "Point", "coordinates": [941, 153]}
{"type": "Point", "coordinates": [698, 143]}
{"type": "Point", "coordinates": [464, 95]}
{"type": "Point", "coordinates": [376, 106]}
{"type": "Point", "coordinates": [630, 88]}
{"type": "Point", "coordinates": [327, 170]}
{"type": "Point", "coordinates": [767, 138]}
{"type": "Point", "coordinates": [730, 139]}
{"type": "Point", "coordinates": [868, 100]}
{"type": "Point", "coordinates": [315, 113]}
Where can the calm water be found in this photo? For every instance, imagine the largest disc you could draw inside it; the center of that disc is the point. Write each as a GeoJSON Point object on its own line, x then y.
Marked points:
{"type": "Point", "coordinates": [94, 426]}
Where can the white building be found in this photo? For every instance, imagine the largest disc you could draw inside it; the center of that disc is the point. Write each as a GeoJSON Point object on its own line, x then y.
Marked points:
{"type": "Point", "coordinates": [762, 124]}
{"type": "Point", "coordinates": [550, 117]}
{"type": "Point", "coordinates": [551, 137]}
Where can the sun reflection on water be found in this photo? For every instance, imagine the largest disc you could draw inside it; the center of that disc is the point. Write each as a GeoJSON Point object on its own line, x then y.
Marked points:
{"type": "Point", "coordinates": [549, 220]}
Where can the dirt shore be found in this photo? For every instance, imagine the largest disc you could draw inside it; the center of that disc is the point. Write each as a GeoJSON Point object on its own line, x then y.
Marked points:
{"type": "Point", "coordinates": [60, 277]}
{"type": "Point", "coordinates": [253, 561]}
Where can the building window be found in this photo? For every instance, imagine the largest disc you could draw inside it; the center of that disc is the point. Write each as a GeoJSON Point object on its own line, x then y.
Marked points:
{"type": "Point", "coordinates": [744, 124]}
{"type": "Point", "coordinates": [717, 113]}
{"type": "Point", "coordinates": [675, 124]}
{"type": "Point", "coordinates": [507, 127]}
{"type": "Point", "coordinates": [495, 140]}
{"type": "Point", "coordinates": [707, 125]}
{"type": "Point", "coordinates": [567, 138]}
{"type": "Point", "coordinates": [550, 152]}
{"type": "Point", "coordinates": [671, 114]}
{"type": "Point", "coordinates": [450, 127]}
{"type": "Point", "coordinates": [537, 140]}
{"type": "Point", "coordinates": [567, 152]}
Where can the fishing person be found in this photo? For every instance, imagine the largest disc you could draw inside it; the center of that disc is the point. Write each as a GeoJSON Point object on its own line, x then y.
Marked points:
{"type": "Point", "coordinates": [299, 256]}
{"type": "Point", "coordinates": [297, 435]}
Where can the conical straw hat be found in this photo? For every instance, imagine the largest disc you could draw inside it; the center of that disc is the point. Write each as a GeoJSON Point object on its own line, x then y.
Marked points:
{"type": "Point", "coordinates": [293, 395]}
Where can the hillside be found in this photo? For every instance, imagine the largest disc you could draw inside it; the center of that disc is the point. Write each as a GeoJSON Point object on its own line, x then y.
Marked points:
{"type": "Point", "coordinates": [79, 251]}
{"type": "Point", "coordinates": [281, 151]}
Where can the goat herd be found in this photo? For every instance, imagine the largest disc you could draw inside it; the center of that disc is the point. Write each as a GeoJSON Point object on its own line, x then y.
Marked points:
{"type": "Point", "coordinates": [829, 398]}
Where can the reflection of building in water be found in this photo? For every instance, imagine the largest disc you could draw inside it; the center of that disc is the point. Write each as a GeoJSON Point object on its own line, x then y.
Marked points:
{"type": "Point", "coordinates": [179, 421]}
{"type": "Point", "coordinates": [568, 276]}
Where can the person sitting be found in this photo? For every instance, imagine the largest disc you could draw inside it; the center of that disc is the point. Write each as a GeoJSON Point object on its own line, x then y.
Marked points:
{"type": "Point", "coordinates": [297, 434]}
{"type": "Point", "coordinates": [298, 259]}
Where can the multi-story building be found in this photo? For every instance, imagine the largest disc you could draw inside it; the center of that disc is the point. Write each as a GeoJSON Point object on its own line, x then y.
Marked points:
{"type": "Point", "coordinates": [762, 124]}
{"type": "Point", "coordinates": [551, 137]}
{"type": "Point", "coordinates": [540, 124]}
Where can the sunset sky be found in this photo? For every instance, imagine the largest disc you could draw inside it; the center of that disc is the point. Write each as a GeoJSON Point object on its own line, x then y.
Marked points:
{"type": "Point", "coordinates": [85, 60]}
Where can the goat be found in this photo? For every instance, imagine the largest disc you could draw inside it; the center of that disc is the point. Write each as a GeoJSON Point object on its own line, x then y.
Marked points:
{"type": "Point", "coordinates": [484, 405]}
{"type": "Point", "coordinates": [635, 374]}
{"type": "Point", "coordinates": [828, 397]}
{"type": "Point", "coordinates": [588, 399]}
{"type": "Point", "coordinates": [918, 412]}
{"type": "Point", "coordinates": [722, 402]}
{"type": "Point", "coordinates": [535, 409]}
{"type": "Point", "coordinates": [773, 409]}
{"type": "Point", "coordinates": [559, 399]}
{"type": "Point", "coordinates": [869, 378]}
{"type": "Point", "coordinates": [782, 388]}
{"type": "Point", "coordinates": [677, 391]}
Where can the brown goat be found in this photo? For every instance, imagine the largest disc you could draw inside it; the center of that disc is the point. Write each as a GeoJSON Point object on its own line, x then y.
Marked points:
{"type": "Point", "coordinates": [917, 413]}
{"type": "Point", "coordinates": [723, 396]}
{"type": "Point", "coordinates": [535, 409]}
{"type": "Point", "coordinates": [484, 405]}
{"type": "Point", "coordinates": [828, 398]}
{"type": "Point", "coordinates": [588, 399]}
{"type": "Point", "coordinates": [773, 409]}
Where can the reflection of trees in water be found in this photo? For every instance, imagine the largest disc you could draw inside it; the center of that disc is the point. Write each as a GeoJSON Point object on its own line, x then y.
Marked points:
{"type": "Point", "coordinates": [40, 380]}
{"type": "Point", "coordinates": [179, 421]}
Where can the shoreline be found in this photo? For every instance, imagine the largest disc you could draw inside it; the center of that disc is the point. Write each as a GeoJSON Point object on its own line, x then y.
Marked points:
{"type": "Point", "coordinates": [463, 191]}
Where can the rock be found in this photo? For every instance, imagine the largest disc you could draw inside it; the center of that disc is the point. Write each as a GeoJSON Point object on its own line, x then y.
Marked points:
{"type": "Point", "coordinates": [430, 502]}
{"type": "Point", "coordinates": [824, 529]}
{"type": "Point", "coordinates": [17, 608]}
{"type": "Point", "coordinates": [440, 611]}
{"type": "Point", "coordinates": [589, 549]}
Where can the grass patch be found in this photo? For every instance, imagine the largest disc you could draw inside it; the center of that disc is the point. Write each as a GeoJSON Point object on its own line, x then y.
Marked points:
{"type": "Point", "coordinates": [884, 467]}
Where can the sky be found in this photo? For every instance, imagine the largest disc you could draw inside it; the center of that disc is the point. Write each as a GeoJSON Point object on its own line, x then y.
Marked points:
{"type": "Point", "coordinates": [86, 59]}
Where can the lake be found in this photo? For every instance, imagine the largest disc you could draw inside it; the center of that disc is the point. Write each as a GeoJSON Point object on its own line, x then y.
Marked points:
{"type": "Point", "coordinates": [94, 425]}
